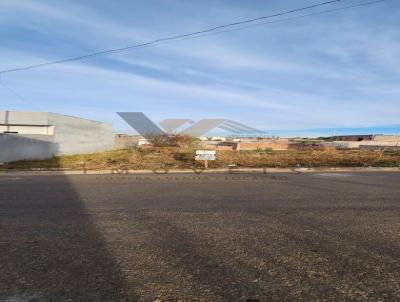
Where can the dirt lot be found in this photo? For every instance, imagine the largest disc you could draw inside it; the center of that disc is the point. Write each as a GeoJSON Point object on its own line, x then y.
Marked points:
{"type": "Point", "coordinates": [214, 237]}
{"type": "Point", "coordinates": [178, 157]}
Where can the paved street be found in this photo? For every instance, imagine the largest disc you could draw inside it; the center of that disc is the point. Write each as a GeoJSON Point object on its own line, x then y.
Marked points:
{"type": "Point", "coordinates": [197, 237]}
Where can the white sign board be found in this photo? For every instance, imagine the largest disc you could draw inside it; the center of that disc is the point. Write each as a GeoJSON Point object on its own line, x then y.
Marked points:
{"type": "Point", "coordinates": [143, 141]}
{"type": "Point", "coordinates": [198, 152]}
{"type": "Point", "coordinates": [205, 155]}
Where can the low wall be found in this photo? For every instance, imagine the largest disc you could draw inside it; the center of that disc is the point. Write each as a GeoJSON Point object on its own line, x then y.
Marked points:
{"type": "Point", "coordinates": [387, 138]}
{"type": "Point", "coordinates": [356, 144]}
{"type": "Point", "coordinates": [123, 141]}
{"type": "Point", "coordinates": [272, 144]}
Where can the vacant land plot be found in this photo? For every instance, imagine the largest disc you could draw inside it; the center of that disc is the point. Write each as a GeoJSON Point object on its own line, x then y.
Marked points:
{"type": "Point", "coordinates": [214, 237]}
{"type": "Point", "coordinates": [179, 157]}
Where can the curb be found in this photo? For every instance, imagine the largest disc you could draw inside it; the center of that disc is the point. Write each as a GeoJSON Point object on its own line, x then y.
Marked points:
{"type": "Point", "coordinates": [44, 172]}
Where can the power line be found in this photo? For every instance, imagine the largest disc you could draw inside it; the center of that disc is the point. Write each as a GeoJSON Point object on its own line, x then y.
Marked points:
{"type": "Point", "coordinates": [18, 96]}
{"type": "Point", "coordinates": [289, 19]}
{"type": "Point", "coordinates": [202, 33]}
{"type": "Point", "coordinates": [197, 33]}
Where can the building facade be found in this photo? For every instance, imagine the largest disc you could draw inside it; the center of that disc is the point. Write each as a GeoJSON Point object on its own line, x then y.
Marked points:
{"type": "Point", "coordinates": [39, 135]}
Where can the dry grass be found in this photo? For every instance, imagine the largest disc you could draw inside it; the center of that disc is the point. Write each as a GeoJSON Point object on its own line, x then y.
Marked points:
{"type": "Point", "coordinates": [182, 156]}
{"type": "Point", "coordinates": [311, 158]}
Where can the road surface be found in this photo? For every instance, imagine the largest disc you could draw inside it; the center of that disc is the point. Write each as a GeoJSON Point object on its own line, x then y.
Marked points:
{"type": "Point", "coordinates": [197, 237]}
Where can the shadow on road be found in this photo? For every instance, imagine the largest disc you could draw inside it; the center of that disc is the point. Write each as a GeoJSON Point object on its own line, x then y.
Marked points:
{"type": "Point", "coordinates": [93, 238]}
{"type": "Point", "coordinates": [50, 249]}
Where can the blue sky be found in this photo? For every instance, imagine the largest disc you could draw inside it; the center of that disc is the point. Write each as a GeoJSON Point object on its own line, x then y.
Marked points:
{"type": "Point", "coordinates": [332, 71]}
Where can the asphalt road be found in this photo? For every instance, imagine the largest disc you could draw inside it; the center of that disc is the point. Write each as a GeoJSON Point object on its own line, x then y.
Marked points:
{"type": "Point", "coordinates": [188, 237]}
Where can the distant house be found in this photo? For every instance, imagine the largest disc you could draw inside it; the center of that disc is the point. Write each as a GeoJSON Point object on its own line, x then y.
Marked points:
{"type": "Point", "coordinates": [38, 135]}
{"type": "Point", "coordinates": [365, 142]}
{"type": "Point", "coordinates": [357, 138]}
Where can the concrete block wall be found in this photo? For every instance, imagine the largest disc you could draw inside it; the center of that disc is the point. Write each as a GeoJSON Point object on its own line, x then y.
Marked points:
{"type": "Point", "coordinates": [18, 147]}
{"type": "Point", "coordinates": [356, 144]}
{"type": "Point", "coordinates": [226, 148]}
{"type": "Point", "coordinates": [24, 117]}
{"type": "Point", "coordinates": [71, 135]}
{"type": "Point", "coordinates": [75, 135]}
{"type": "Point", "coordinates": [273, 144]}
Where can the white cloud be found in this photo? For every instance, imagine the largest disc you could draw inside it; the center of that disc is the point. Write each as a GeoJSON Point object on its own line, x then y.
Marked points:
{"type": "Point", "coordinates": [307, 73]}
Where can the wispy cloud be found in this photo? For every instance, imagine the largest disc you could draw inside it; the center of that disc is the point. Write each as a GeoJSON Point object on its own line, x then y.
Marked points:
{"type": "Point", "coordinates": [341, 70]}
